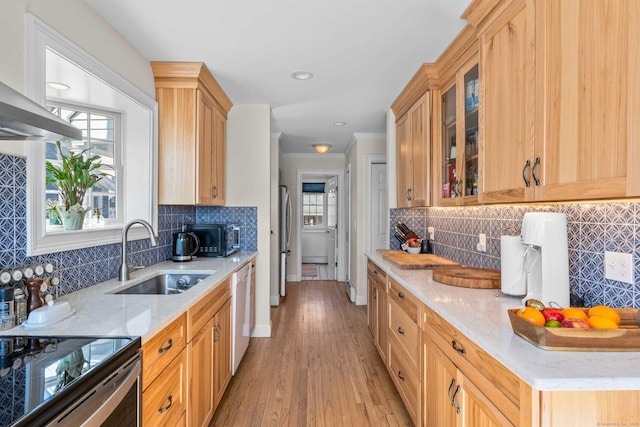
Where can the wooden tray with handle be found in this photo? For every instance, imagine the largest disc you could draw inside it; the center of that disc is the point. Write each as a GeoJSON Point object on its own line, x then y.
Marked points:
{"type": "Point", "coordinates": [627, 338]}
{"type": "Point", "coordinates": [406, 261]}
{"type": "Point", "coordinates": [468, 277]}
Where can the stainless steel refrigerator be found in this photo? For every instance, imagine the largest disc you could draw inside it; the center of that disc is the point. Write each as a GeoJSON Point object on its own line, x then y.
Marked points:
{"type": "Point", "coordinates": [285, 235]}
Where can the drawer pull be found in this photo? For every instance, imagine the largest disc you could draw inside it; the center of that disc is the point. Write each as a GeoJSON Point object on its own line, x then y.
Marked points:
{"type": "Point", "coordinates": [453, 400]}
{"type": "Point", "coordinates": [533, 171]}
{"type": "Point", "coordinates": [460, 350]}
{"type": "Point", "coordinates": [400, 330]}
{"type": "Point", "coordinates": [401, 376]}
{"type": "Point", "coordinates": [167, 347]}
{"type": "Point", "coordinates": [401, 295]}
{"type": "Point", "coordinates": [216, 333]}
{"type": "Point", "coordinates": [166, 408]}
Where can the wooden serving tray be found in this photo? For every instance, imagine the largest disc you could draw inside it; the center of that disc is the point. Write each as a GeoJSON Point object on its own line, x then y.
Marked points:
{"type": "Point", "coordinates": [407, 261]}
{"type": "Point", "coordinates": [627, 338]}
{"type": "Point", "coordinates": [468, 277]}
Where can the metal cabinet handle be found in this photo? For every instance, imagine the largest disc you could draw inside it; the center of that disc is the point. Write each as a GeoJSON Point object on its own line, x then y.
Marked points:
{"type": "Point", "coordinates": [400, 330]}
{"type": "Point", "coordinates": [460, 350]}
{"type": "Point", "coordinates": [215, 191]}
{"type": "Point", "coordinates": [453, 382]}
{"type": "Point", "coordinates": [375, 293]}
{"type": "Point", "coordinates": [401, 376]}
{"type": "Point", "coordinates": [400, 295]}
{"type": "Point", "coordinates": [524, 173]}
{"type": "Point", "coordinates": [167, 347]}
{"type": "Point", "coordinates": [533, 171]}
{"type": "Point", "coordinates": [409, 191]}
{"type": "Point", "coordinates": [166, 408]}
{"type": "Point", "coordinates": [216, 333]}
{"type": "Point", "coordinates": [453, 400]}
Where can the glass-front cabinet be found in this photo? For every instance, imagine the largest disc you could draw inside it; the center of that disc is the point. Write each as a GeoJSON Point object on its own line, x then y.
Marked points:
{"type": "Point", "coordinates": [459, 146]}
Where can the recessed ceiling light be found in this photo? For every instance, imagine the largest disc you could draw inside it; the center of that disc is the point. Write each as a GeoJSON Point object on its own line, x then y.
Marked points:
{"type": "Point", "coordinates": [302, 75]}
{"type": "Point", "coordinates": [58, 86]}
{"type": "Point", "coordinates": [339, 123]}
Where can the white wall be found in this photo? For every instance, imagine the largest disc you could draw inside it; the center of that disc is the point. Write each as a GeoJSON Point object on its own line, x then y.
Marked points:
{"type": "Point", "coordinates": [79, 23]}
{"type": "Point", "coordinates": [249, 184]}
{"type": "Point", "coordinates": [289, 165]}
{"type": "Point", "coordinates": [363, 145]}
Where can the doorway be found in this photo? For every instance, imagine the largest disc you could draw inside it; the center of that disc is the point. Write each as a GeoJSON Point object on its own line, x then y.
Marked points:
{"type": "Point", "coordinates": [320, 236]}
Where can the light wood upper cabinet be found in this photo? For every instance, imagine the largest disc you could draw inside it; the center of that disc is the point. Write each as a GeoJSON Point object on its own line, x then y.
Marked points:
{"type": "Point", "coordinates": [191, 142]}
{"type": "Point", "coordinates": [560, 92]}
{"type": "Point", "coordinates": [413, 138]}
{"type": "Point", "coordinates": [507, 78]}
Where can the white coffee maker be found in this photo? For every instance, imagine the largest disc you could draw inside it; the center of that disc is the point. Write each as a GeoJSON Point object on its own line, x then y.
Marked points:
{"type": "Point", "coordinates": [539, 266]}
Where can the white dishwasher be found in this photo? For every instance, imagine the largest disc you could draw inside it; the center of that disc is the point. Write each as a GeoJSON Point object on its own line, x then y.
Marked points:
{"type": "Point", "coordinates": [241, 313]}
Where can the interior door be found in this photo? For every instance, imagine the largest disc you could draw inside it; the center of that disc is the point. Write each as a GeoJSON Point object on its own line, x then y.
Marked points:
{"type": "Point", "coordinates": [332, 226]}
{"type": "Point", "coordinates": [378, 221]}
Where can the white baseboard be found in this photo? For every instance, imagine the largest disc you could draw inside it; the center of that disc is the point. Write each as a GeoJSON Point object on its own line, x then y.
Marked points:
{"type": "Point", "coordinates": [314, 259]}
{"type": "Point", "coordinates": [293, 278]}
{"type": "Point", "coordinates": [262, 331]}
{"type": "Point", "coordinates": [361, 300]}
{"type": "Point", "coordinates": [275, 300]}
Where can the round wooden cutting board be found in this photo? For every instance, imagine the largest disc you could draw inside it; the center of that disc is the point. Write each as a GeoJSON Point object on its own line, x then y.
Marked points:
{"type": "Point", "coordinates": [468, 277]}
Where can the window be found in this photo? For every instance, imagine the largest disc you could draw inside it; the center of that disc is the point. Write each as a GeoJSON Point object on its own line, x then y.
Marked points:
{"type": "Point", "coordinates": [101, 137]}
{"type": "Point", "coordinates": [119, 120]}
{"type": "Point", "coordinates": [313, 204]}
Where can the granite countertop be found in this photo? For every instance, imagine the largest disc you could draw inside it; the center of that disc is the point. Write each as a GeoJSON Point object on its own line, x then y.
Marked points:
{"type": "Point", "coordinates": [481, 315]}
{"type": "Point", "coordinates": [99, 312]}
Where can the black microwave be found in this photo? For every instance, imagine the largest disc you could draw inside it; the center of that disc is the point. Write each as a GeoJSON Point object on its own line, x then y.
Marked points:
{"type": "Point", "coordinates": [216, 240]}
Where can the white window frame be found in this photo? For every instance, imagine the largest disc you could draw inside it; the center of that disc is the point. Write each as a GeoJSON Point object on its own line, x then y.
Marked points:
{"type": "Point", "coordinates": [139, 148]}
{"type": "Point", "coordinates": [323, 226]}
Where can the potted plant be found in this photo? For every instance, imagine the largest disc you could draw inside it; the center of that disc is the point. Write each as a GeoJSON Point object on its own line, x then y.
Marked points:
{"type": "Point", "coordinates": [73, 177]}
{"type": "Point", "coordinates": [52, 211]}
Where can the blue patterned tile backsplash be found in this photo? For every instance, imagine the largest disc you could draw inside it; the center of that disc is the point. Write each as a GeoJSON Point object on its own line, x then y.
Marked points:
{"type": "Point", "coordinates": [81, 268]}
{"type": "Point", "coordinates": [592, 228]}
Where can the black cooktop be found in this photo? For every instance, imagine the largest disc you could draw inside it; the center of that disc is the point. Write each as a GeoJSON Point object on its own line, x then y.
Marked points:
{"type": "Point", "coordinates": [35, 372]}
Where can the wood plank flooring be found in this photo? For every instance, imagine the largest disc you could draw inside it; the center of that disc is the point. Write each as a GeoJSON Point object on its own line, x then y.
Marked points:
{"type": "Point", "coordinates": [319, 368]}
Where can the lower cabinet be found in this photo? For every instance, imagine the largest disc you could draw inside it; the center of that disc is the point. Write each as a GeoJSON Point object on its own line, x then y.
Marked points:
{"type": "Point", "coordinates": [377, 310]}
{"type": "Point", "coordinates": [164, 401]}
{"type": "Point", "coordinates": [450, 398]}
{"type": "Point", "coordinates": [209, 354]}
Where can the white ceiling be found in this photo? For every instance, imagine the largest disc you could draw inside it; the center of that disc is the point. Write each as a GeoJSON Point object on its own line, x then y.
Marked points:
{"type": "Point", "coordinates": [362, 53]}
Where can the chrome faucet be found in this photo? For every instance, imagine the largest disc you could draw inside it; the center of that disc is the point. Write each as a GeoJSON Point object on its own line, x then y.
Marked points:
{"type": "Point", "coordinates": [123, 275]}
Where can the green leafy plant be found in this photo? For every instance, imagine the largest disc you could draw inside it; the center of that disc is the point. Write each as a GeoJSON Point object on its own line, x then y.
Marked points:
{"type": "Point", "coordinates": [73, 177]}
{"type": "Point", "coordinates": [52, 210]}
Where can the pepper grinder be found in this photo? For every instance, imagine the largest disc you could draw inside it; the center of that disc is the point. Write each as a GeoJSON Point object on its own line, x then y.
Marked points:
{"type": "Point", "coordinates": [33, 287]}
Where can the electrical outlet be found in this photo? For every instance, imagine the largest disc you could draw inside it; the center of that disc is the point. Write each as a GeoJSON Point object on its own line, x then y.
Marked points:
{"type": "Point", "coordinates": [618, 266]}
{"type": "Point", "coordinates": [432, 233]}
{"type": "Point", "coordinates": [482, 243]}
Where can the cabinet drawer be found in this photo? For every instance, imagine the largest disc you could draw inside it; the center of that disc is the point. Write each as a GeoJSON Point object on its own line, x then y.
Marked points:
{"type": "Point", "coordinates": [163, 402]}
{"type": "Point", "coordinates": [490, 376]}
{"type": "Point", "coordinates": [200, 313]}
{"type": "Point", "coordinates": [406, 332]}
{"type": "Point", "coordinates": [405, 377]}
{"type": "Point", "coordinates": [161, 349]}
{"type": "Point", "coordinates": [376, 274]}
{"type": "Point", "coordinates": [404, 299]}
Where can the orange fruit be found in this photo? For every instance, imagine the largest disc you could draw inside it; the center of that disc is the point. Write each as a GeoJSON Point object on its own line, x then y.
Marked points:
{"type": "Point", "coordinates": [532, 315]}
{"type": "Point", "coordinates": [604, 311]}
{"type": "Point", "coordinates": [574, 313]}
{"type": "Point", "coordinates": [598, 322]}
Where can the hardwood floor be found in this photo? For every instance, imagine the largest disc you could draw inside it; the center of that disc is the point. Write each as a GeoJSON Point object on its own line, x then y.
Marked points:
{"type": "Point", "coordinates": [319, 368]}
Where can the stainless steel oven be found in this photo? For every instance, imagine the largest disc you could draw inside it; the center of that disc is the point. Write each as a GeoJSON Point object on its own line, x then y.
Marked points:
{"type": "Point", "coordinates": [71, 381]}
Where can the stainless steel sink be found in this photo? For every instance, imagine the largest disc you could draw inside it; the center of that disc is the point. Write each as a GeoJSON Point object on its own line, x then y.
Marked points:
{"type": "Point", "coordinates": [165, 284]}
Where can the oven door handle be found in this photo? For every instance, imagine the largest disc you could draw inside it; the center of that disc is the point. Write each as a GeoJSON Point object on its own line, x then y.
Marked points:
{"type": "Point", "coordinates": [101, 402]}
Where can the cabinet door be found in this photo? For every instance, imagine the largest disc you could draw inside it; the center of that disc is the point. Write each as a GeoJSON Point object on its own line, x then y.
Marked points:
{"type": "Point", "coordinates": [200, 403]}
{"type": "Point", "coordinates": [221, 351]}
{"type": "Point", "coordinates": [404, 165]}
{"type": "Point", "coordinates": [420, 159]}
{"type": "Point", "coordinates": [476, 409]}
{"type": "Point", "coordinates": [507, 79]}
{"type": "Point", "coordinates": [381, 323]}
{"type": "Point", "coordinates": [219, 159]}
{"type": "Point", "coordinates": [164, 401]}
{"type": "Point", "coordinates": [589, 132]}
{"type": "Point", "coordinates": [448, 175]}
{"type": "Point", "coordinates": [439, 383]}
{"type": "Point", "coordinates": [205, 149]}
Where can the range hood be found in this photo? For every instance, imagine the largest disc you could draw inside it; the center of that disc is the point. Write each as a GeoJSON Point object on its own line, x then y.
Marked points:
{"type": "Point", "coordinates": [23, 119]}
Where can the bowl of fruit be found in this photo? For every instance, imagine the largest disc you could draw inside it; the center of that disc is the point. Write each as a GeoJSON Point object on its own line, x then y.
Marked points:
{"type": "Point", "coordinates": [598, 328]}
